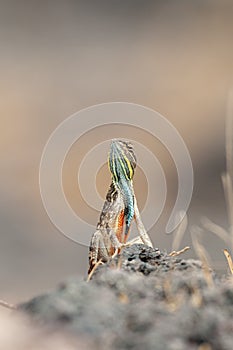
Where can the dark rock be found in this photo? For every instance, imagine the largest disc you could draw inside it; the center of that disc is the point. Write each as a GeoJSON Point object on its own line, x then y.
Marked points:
{"type": "Point", "coordinates": [143, 299]}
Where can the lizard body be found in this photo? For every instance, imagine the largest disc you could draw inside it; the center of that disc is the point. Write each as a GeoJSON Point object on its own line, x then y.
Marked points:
{"type": "Point", "coordinates": [120, 206]}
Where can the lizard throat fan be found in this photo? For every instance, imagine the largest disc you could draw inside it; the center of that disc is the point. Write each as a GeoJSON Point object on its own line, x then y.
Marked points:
{"type": "Point", "coordinates": [122, 162]}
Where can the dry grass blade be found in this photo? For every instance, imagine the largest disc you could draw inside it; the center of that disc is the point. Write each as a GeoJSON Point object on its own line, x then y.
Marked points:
{"type": "Point", "coordinates": [8, 305]}
{"type": "Point", "coordinates": [228, 177]}
{"type": "Point", "coordinates": [229, 260]}
{"type": "Point", "coordinates": [216, 229]}
{"type": "Point", "coordinates": [180, 231]}
{"type": "Point", "coordinates": [228, 192]}
{"type": "Point", "coordinates": [229, 135]}
{"type": "Point", "coordinates": [176, 253]}
{"type": "Point", "coordinates": [227, 182]}
{"type": "Point", "coordinates": [202, 254]}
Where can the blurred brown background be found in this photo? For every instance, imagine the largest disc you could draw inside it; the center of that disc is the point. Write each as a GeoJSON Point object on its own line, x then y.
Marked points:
{"type": "Point", "coordinates": [58, 57]}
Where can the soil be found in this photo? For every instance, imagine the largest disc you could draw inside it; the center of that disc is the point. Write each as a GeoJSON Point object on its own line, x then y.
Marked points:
{"type": "Point", "coordinates": [142, 299]}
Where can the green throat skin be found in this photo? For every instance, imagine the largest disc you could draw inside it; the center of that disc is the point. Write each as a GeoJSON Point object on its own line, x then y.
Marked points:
{"type": "Point", "coordinates": [122, 162]}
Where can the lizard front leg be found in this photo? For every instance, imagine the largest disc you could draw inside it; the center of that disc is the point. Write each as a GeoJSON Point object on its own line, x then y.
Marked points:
{"type": "Point", "coordinates": [97, 250]}
{"type": "Point", "coordinates": [102, 250]}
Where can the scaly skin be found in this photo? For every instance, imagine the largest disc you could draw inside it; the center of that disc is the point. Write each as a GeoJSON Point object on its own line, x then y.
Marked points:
{"type": "Point", "coordinates": [120, 207]}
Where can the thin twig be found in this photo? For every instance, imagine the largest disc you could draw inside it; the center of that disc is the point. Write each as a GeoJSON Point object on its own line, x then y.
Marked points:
{"type": "Point", "coordinates": [8, 305]}
{"type": "Point", "coordinates": [176, 253]}
{"type": "Point", "coordinates": [229, 260]}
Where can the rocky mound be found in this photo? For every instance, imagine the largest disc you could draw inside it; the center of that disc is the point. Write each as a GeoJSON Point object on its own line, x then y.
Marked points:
{"type": "Point", "coordinates": [142, 299]}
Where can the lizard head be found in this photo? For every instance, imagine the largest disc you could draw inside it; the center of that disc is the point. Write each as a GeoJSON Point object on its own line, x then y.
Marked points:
{"type": "Point", "coordinates": [121, 160]}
